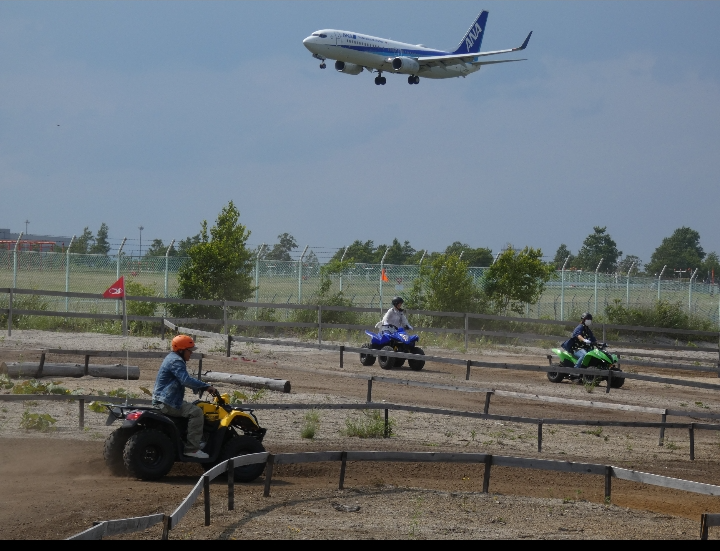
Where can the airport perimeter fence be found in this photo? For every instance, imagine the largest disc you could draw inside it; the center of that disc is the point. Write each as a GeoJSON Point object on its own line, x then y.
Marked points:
{"type": "Point", "coordinates": [567, 295]}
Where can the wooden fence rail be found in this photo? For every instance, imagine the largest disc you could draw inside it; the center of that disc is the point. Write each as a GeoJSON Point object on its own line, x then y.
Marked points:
{"type": "Point", "coordinates": [608, 472]}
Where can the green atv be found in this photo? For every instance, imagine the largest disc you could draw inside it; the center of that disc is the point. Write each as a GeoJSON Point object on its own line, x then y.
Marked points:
{"type": "Point", "coordinates": [597, 358]}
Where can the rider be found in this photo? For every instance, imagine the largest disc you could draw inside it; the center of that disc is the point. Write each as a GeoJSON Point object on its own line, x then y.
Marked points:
{"type": "Point", "coordinates": [169, 391]}
{"type": "Point", "coordinates": [581, 336]}
{"type": "Point", "coordinates": [395, 318]}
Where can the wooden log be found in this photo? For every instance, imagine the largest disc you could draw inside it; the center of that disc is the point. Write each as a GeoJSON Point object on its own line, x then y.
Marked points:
{"type": "Point", "coordinates": [30, 369]}
{"type": "Point", "coordinates": [279, 385]}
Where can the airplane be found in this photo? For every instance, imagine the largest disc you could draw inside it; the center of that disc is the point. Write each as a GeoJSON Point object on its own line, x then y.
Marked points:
{"type": "Point", "coordinates": [355, 53]}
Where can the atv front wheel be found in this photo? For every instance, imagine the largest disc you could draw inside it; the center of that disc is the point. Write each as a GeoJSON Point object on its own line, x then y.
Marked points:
{"type": "Point", "coordinates": [366, 359]}
{"type": "Point", "coordinates": [386, 362]}
{"type": "Point", "coordinates": [149, 454]}
{"type": "Point", "coordinates": [113, 450]}
{"type": "Point", "coordinates": [617, 382]}
{"type": "Point", "coordinates": [416, 365]}
{"type": "Point", "coordinates": [242, 445]}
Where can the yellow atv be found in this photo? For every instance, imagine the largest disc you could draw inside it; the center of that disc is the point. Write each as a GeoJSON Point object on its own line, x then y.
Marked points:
{"type": "Point", "coordinates": [149, 442]}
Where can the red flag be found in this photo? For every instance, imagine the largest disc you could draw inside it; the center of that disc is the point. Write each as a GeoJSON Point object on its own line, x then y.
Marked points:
{"type": "Point", "coordinates": [384, 276]}
{"type": "Point", "coordinates": [116, 290]}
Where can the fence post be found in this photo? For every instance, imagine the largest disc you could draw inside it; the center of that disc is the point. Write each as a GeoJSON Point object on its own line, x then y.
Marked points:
{"type": "Point", "coordinates": [660, 280]}
{"type": "Point", "coordinates": [609, 383]}
{"type": "Point", "coordinates": [691, 429]}
{"type": "Point", "coordinates": [467, 370]}
{"type": "Point", "coordinates": [369, 392]}
{"type": "Point", "coordinates": [487, 402]}
{"type": "Point", "coordinates": [81, 414]}
{"type": "Point", "coordinates": [67, 275]}
{"type": "Point", "coordinates": [540, 425]}
{"type": "Point", "coordinates": [10, 313]}
{"type": "Point", "coordinates": [166, 527]}
{"type": "Point", "coordinates": [627, 294]}
{"type": "Point", "coordinates": [343, 464]}
{"type": "Point", "coordinates": [40, 367]}
{"type": "Point", "coordinates": [86, 368]}
{"type": "Point", "coordinates": [342, 352]}
{"type": "Point", "coordinates": [562, 290]}
{"type": "Point", "coordinates": [300, 274]}
{"type": "Point", "coordinates": [319, 323]}
{"type": "Point", "coordinates": [604, 339]}
{"type": "Point", "coordinates": [486, 474]}
{"type": "Point", "coordinates": [467, 327]}
{"type": "Point", "coordinates": [268, 474]}
{"type": "Point", "coordinates": [386, 433]}
{"type": "Point", "coordinates": [596, 283]}
{"type": "Point", "coordinates": [167, 268]}
{"type": "Point", "coordinates": [663, 419]}
{"type": "Point", "coordinates": [231, 483]}
{"type": "Point", "coordinates": [608, 483]}
{"type": "Point", "coordinates": [228, 351]}
{"type": "Point", "coordinates": [15, 262]}
{"type": "Point", "coordinates": [206, 498]}
{"type": "Point", "coordinates": [225, 325]}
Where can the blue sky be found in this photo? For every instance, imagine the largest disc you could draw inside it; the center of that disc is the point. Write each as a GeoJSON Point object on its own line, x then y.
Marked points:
{"type": "Point", "coordinates": [159, 113]}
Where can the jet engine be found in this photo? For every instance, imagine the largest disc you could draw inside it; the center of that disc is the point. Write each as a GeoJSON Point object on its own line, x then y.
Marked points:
{"type": "Point", "coordinates": [348, 68]}
{"type": "Point", "coordinates": [405, 65]}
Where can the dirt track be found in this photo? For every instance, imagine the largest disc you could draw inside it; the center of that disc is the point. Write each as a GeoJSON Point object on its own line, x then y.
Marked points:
{"type": "Point", "coordinates": [66, 467]}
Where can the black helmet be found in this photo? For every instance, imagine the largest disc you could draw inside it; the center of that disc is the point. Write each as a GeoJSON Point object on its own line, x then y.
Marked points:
{"type": "Point", "coordinates": [397, 300]}
{"type": "Point", "coordinates": [586, 316]}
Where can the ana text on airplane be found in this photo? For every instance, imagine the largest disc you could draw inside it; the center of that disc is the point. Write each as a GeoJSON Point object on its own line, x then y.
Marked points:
{"type": "Point", "coordinates": [354, 53]}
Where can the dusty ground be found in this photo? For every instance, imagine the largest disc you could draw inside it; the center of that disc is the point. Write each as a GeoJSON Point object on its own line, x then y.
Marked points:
{"type": "Point", "coordinates": [395, 500]}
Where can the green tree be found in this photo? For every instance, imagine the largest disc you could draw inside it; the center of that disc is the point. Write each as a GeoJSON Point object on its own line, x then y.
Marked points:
{"type": "Point", "coordinates": [282, 249]}
{"type": "Point", "coordinates": [444, 284]}
{"type": "Point", "coordinates": [158, 248]}
{"type": "Point", "coordinates": [398, 253]}
{"type": "Point", "coordinates": [516, 278]}
{"type": "Point", "coordinates": [82, 244]}
{"type": "Point", "coordinates": [630, 260]}
{"type": "Point", "coordinates": [562, 254]}
{"type": "Point", "coordinates": [100, 243]}
{"type": "Point", "coordinates": [185, 244]}
{"type": "Point", "coordinates": [680, 251]}
{"type": "Point", "coordinates": [220, 265]}
{"type": "Point", "coordinates": [480, 257]}
{"type": "Point", "coordinates": [598, 245]}
{"type": "Point", "coordinates": [710, 270]}
{"type": "Point", "coordinates": [359, 252]}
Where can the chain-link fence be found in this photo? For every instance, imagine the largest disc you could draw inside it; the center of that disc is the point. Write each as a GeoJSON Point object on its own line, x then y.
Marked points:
{"type": "Point", "coordinates": [294, 282]}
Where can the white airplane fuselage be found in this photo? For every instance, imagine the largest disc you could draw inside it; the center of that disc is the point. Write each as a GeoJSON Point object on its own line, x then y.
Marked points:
{"type": "Point", "coordinates": [371, 52]}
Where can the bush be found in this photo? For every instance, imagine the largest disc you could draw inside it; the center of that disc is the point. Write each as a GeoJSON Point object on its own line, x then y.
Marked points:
{"type": "Point", "coordinates": [33, 386]}
{"type": "Point", "coordinates": [6, 383]}
{"type": "Point", "coordinates": [42, 422]}
{"type": "Point", "coordinates": [370, 425]}
{"type": "Point", "coordinates": [22, 302]}
{"type": "Point", "coordinates": [140, 308]}
{"type": "Point", "coordinates": [661, 314]}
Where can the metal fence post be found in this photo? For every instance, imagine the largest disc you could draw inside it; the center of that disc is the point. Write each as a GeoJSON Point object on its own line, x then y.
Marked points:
{"type": "Point", "coordinates": [627, 292]}
{"type": "Point", "coordinates": [690, 290]}
{"type": "Point", "coordinates": [660, 280]}
{"type": "Point", "coordinates": [167, 267]}
{"type": "Point", "coordinates": [596, 282]}
{"type": "Point", "coordinates": [562, 290]}
{"type": "Point", "coordinates": [15, 262]}
{"type": "Point", "coordinates": [341, 271]}
{"type": "Point", "coordinates": [257, 277]}
{"type": "Point", "coordinates": [382, 271]}
{"type": "Point", "coordinates": [300, 274]}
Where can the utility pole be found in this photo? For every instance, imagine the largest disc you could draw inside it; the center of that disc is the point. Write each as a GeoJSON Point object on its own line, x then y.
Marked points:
{"type": "Point", "coordinates": [26, 225]}
{"type": "Point", "coordinates": [141, 228]}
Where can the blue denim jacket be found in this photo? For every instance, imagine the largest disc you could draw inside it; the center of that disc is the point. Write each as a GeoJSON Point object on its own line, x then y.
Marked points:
{"type": "Point", "coordinates": [171, 381]}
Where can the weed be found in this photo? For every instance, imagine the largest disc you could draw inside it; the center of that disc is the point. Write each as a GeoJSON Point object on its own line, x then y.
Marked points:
{"type": "Point", "coordinates": [33, 386]}
{"type": "Point", "coordinates": [473, 434]}
{"type": "Point", "coordinates": [683, 404]}
{"type": "Point", "coordinates": [448, 434]}
{"type": "Point", "coordinates": [237, 397]}
{"type": "Point", "coordinates": [370, 425]}
{"type": "Point", "coordinates": [256, 396]}
{"type": "Point", "coordinates": [669, 445]}
{"type": "Point", "coordinates": [700, 404]}
{"type": "Point", "coordinates": [30, 403]}
{"type": "Point", "coordinates": [6, 383]}
{"type": "Point", "coordinates": [596, 432]}
{"type": "Point", "coordinates": [42, 422]}
{"type": "Point", "coordinates": [312, 423]}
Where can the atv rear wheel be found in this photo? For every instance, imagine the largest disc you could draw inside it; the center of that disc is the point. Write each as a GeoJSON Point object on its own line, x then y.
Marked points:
{"type": "Point", "coordinates": [416, 365]}
{"type": "Point", "coordinates": [555, 377]}
{"type": "Point", "coordinates": [242, 445]}
{"type": "Point", "coordinates": [386, 362]}
{"type": "Point", "coordinates": [149, 454]}
{"type": "Point", "coordinates": [367, 359]}
{"type": "Point", "coordinates": [113, 450]}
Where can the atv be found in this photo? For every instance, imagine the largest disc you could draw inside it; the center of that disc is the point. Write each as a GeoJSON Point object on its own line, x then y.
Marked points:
{"type": "Point", "coordinates": [398, 341]}
{"type": "Point", "coordinates": [149, 442]}
{"type": "Point", "coordinates": [597, 358]}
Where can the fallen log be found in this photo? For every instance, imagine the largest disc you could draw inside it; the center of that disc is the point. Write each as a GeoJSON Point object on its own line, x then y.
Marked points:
{"type": "Point", "coordinates": [30, 370]}
{"type": "Point", "coordinates": [278, 385]}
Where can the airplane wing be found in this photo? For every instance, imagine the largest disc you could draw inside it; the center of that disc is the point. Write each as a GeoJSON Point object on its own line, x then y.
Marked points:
{"type": "Point", "coordinates": [452, 59]}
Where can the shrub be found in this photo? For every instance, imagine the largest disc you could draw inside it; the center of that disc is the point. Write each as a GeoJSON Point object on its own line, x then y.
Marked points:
{"type": "Point", "coordinates": [33, 386]}
{"type": "Point", "coordinates": [312, 424]}
{"type": "Point", "coordinates": [42, 422]}
{"type": "Point", "coordinates": [6, 383]}
{"type": "Point", "coordinates": [23, 302]}
{"type": "Point", "coordinates": [370, 425]}
{"type": "Point", "coordinates": [661, 314]}
{"type": "Point", "coordinates": [140, 308]}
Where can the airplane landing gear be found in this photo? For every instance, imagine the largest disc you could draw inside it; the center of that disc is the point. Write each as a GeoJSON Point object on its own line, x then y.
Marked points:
{"type": "Point", "coordinates": [380, 80]}
{"type": "Point", "coordinates": [323, 66]}
{"type": "Point", "coordinates": [413, 80]}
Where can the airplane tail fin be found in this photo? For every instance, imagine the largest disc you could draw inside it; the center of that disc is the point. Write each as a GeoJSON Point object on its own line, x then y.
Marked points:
{"type": "Point", "coordinates": [472, 40]}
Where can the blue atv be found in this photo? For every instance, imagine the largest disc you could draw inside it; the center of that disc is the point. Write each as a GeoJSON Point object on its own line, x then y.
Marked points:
{"type": "Point", "coordinates": [398, 341]}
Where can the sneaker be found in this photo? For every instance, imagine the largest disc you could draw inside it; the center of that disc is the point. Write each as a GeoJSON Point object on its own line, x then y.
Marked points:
{"type": "Point", "coordinates": [197, 454]}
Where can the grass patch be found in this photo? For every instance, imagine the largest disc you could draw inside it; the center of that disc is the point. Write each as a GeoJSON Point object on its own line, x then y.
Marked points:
{"type": "Point", "coordinates": [370, 424]}
{"type": "Point", "coordinates": [311, 426]}
{"type": "Point", "coordinates": [33, 386]}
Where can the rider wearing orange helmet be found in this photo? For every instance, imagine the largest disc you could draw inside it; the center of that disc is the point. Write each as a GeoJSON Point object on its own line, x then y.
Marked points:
{"type": "Point", "coordinates": [169, 391]}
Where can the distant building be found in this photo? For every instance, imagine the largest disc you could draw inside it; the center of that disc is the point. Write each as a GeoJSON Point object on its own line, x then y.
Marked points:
{"type": "Point", "coordinates": [51, 242]}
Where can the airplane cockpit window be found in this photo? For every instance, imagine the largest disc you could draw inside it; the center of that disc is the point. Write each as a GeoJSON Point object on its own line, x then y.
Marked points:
{"type": "Point", "coordinates": [320, 35]}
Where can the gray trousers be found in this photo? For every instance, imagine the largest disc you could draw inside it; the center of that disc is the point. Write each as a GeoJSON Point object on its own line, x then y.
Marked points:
{"type": "Point", "coordinates": [195, 419]}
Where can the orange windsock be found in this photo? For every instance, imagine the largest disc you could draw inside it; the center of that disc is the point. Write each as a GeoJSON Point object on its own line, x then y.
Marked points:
{"type": "Point", "coordinates": [384, 276]}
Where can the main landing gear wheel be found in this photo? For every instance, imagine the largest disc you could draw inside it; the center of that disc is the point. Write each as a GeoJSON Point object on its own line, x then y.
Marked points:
{"type": "Point", "coordinates": [380, 81]}
{"type": "Point", "coordinates": [323, 66]}
{"type": "Point", "coordinates": [413, 80]}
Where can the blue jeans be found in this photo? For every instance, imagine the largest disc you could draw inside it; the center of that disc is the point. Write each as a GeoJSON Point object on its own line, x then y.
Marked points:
{"type": "Point", "coordinates": [579, 354]}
